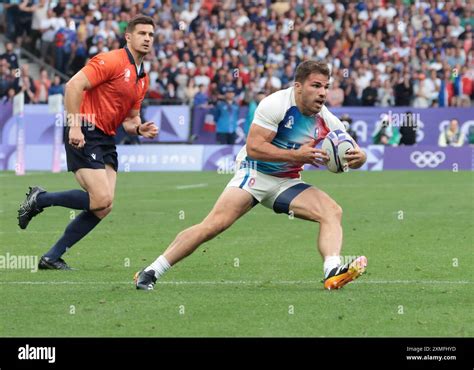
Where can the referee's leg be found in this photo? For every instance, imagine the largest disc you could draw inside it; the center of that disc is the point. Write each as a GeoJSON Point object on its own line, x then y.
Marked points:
{"type": "Point", "coordinates": [100, 186]}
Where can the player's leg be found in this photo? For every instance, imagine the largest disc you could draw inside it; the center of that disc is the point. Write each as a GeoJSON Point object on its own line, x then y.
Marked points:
{"type": "Point", "coordinates": [232, 204]}
{"type": "Point", "coordinates": [100, 185]}
{"type": "Point", "coordinates": [315, 205]}
{"type": "Point", "coordinates": [309, 203]}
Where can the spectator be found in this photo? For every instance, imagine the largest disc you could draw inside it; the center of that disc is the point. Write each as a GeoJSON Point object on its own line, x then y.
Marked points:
{"type": "Point", "coordinates": [335, 95]}
{"type": "Point", "coordinates": [403, 91]}
{"type": "Point", "coordinates": [385, 95]}
{"type": "Point", "coordinates": [190, 91]}
{"type": "Point", "coordinates": [422, 93]}
{"type": "Point", "coordinates": [350, 94]}
{"type": "Point", "coordinates": [10, 56]}
{"type": "Point", "coordinates": [42, 86]}
{"type": "Point", "coordinates": [273, 80]}
{"type": "Point", "coordinates": [26, 84]}
{"type": "Point", "coordinates": [288, 76]}
{"type": "Point", "coordinates": [201, 98]}
{"type": "Point", "coordinates": [369, 95]}
{"type": "Point", "coordinates": [6, 78]}
{"type": "Point", "coordinates": [49, 26]}
{"type": "Point", "coordinates": [226, 115]}
{"type": "Point", "coordinates": [446, 90]}
{"type": "Point", "coordinates": [56, 87]}
{"type": "Point", "coordinates": [251, 112]}
{"type": "Point", "coordinates": [408, 130]}
{"type": "Point", "coordinates": [451, 135]}
{"type": "Point", "coordinates": [39, 11]}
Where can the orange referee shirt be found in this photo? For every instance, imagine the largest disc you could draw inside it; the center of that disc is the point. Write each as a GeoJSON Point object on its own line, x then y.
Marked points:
{"type": "Point", "coordinates": [116, 89]}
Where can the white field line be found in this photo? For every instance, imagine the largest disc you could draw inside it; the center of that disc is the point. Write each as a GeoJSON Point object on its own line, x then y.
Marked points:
{"type": "Point", "coordinates": [240, 282]}
{"type": "Point", "coordinates": [192, 186]}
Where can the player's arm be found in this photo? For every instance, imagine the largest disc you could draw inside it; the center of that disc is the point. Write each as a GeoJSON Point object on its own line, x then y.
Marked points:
{"type": "Point", "coordinates": [72, 102]}
{"type": "Point", "coordinates": [133, 125]}
{"type": "Point", "coordinates": [260, 147]}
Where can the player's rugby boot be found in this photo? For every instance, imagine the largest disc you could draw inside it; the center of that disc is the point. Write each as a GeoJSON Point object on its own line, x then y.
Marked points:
{"type": "Point", "coordinates": [29, 208]}
{"type": "Point", "coordinates": [341, 275]}
{"type": "Point", "coordinates": [145, 280]}
{"type": "Point", "coordinates": [46, 264]}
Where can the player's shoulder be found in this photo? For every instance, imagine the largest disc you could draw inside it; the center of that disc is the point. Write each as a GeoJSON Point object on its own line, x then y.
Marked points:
{"type": "Point", "coordinates": [277, 103]}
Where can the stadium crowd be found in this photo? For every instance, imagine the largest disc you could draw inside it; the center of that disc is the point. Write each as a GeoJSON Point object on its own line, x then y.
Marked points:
{"type": "Point", "coordinates": [381, 53]}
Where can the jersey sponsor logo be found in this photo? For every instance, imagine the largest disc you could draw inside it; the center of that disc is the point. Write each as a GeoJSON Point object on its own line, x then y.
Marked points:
{"type": "Point", "coordinates": [93, 156]}
{"type": "Point", "coordinates": [427, 159]}
{"type": "Point", "coordinates": [126, 74]}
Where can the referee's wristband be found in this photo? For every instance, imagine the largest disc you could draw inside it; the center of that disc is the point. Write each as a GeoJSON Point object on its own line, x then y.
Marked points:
{"type": "Point", "coordinates": [138, 130]}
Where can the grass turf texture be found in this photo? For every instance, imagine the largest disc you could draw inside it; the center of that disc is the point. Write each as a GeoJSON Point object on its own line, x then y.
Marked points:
{"type": "Point", "coordinates": [411, 287]}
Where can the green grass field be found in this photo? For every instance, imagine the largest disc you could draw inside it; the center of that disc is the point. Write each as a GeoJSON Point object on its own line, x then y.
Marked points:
{"type": "Point", "coordinates": [419, 281]}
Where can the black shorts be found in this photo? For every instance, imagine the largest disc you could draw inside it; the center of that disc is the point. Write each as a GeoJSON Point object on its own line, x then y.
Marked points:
{"type": "Point", "coordinates": [98, 150]}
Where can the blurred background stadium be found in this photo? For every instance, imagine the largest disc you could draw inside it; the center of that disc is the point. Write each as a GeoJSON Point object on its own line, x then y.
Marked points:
{"type": "Point", "coordinates": [403, 81]}
{"type": "Point", "coordinates": [406, 59]}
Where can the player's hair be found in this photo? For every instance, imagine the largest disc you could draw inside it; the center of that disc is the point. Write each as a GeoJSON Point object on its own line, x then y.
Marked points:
{"type": "Point", "coordinates": [307, 67]}
{"type": "Point", "coordinates": [139, 19]}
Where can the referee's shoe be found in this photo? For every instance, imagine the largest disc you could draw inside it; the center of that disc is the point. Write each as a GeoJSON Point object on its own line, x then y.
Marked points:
{"type": "Point", "coordinates": [29, 208]}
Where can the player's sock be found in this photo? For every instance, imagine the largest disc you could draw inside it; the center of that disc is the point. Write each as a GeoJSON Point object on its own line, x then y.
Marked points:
{"type": "Point", "coordinates": [75, 231]}
{"type": "Point", "coordinates": [75, 199]}
{"type": "Point", "coordinates": [160, 266]}
{"type": "Point", "coordinates": [329, 263]}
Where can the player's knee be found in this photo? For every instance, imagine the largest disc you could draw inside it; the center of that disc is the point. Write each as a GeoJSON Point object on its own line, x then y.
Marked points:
{"type": "Point", "coordinates": [334, 211]}
{"type": "Point", "coordinates": [215, 227]}
{"type": "Point", "coordinates": [101, 202]}
{"type": "Point", "coordinates": [104, 212]}
{"type": "Point", "coordinates": [331, 212]}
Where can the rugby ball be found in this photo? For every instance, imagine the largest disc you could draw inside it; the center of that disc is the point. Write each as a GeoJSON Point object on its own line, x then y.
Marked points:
{"type": "Point", "coordinates": [336, 144]}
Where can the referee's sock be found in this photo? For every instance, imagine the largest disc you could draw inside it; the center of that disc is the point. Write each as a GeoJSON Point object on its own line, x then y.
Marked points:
{"type": "Point", "coordinates": [75, 231]}
{"type": "Point", "coordinates": [75, 199]}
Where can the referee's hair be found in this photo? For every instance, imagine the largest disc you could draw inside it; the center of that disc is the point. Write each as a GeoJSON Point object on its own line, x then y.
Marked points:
{"type": "Point", "coordinates": [139, 19]}
{"type": "Point", "coordinates": [307, 67]}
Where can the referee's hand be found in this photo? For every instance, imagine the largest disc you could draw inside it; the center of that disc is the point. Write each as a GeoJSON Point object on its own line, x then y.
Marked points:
{"type": "Point", "coordinates": [76, 137]}
{"type": "Point", "coordinates": [148, 130]}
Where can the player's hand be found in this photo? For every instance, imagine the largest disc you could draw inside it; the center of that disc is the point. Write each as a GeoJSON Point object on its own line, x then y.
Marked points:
{"type": "Point", "coordinates": [76, 137]}
{"type": "Point", "coordinates": [148, 130]}
{"type": "Point", "coordinates": [355, 158]}
{"type": "Point", "coordinates": [307, 153]}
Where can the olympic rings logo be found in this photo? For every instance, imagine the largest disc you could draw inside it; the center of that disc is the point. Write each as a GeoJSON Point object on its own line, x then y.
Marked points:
{"type": "Point", "coordinates": [427, 159]}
